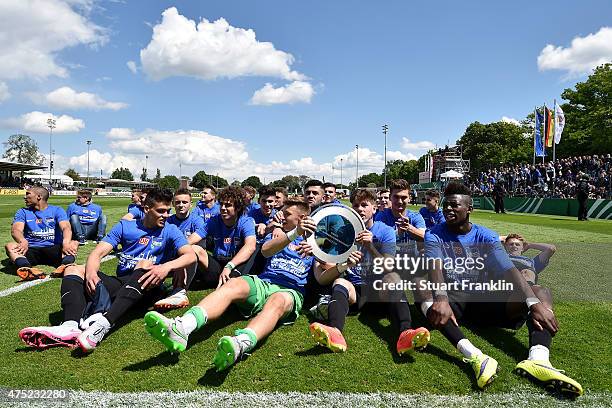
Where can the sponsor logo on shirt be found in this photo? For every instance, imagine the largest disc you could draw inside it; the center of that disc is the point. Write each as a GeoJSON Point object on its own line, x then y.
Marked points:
{"type": "Point", "coordinates": [38, 221]}
{"type": "Point", "coordinates": [227, 240]}
{"type": "Point", "coordinates": [144, 241]}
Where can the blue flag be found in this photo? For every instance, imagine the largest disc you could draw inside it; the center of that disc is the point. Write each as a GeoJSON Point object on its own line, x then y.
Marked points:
{"type": "Point", "coordinates": [539, 143]}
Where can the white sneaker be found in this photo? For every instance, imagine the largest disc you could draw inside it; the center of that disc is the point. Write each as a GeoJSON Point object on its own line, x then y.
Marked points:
{"type": "Point", "coordinates": [169, 332]}
{"type": "Point", "coordinates": [90, 338]}
{"type": "Point", "coordinates": [84, 324]}
{"type": "Point", "coordinates": [43, 337]}
{"type": "Point", "coordinates": [177, 300]}
{"type": "Point", "coordinates": [320, 311]}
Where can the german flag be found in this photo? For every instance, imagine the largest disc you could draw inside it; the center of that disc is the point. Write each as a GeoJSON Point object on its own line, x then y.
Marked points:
{"type": "Point", "coordinates": [549, 127]}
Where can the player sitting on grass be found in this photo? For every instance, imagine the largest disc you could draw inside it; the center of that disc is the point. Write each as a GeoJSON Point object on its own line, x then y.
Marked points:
{"type": "Point", "coordinates": [42, 236]}
{"type": "Point", "coordinates": [516, 245]}
{"type": "Point", "coordinates": [432, 213]}
{"type": "Point", "coordinates": [465, 252]}
{"type": "Point", "coordinates": [352, 285]}
{"type": "Point", "coordinates": [191, 225]}
{"type": "Point", "coordinates": [234, 242]}
{"type": "Point", "coordinates": [86, 218]}
{"type": "Point", "coordinates": [141, 269]}
{"type": "Point", "coordinates": [136, 212]}
{"type": "Point", "coordinates": [273, 296]}
{"type": "Point", "coordinates": [135, 199]}
{"type": "Point", "coordinates": [207, 207]}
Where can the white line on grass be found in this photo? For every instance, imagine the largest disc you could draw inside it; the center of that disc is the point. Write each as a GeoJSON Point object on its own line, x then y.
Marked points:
{"type": "Point", "coordinates": [29, 284]}
{"type": "Point", "coordinates": [522, 397]}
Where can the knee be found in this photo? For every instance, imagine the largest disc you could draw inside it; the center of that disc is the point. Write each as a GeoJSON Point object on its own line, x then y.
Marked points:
{"type": "Point", "coordinates": [280, 302]}
{"type": "Point", "coordinates": [145, 263]}
{"type": "Point", "coordinates": [76, 270]}
{"type": "Point", "coordinates": [392, 277]}
{"type": "Point", "coordinates": [342, 282]}
{"type": "Point", "coordinates": [542, 292]}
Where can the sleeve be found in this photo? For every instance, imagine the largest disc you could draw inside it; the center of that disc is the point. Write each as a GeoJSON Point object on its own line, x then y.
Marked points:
{"type": "Point", "coordinates": [498, 260]}
{"type": "Point", "coordinates": [378, 216]}
{"type": "Point", "coordinates": [60, 214]}
{"type": "Point", "coordinates": [177, 238]}
{"type": "Point", "coordinates": [200, 226]}
{"type": "Point", "coordinates": [135, 211]}
{"type": "Point", "coordinates": [115, 235]}
{"type": "Point", "coordinates": [433, 246]}
{"type": "Point", "coordinates": [538, 264]}
{"type": "Point", "coordinates": [248, 227]}
{"type": "Point", "coordinates": [388, 245]}
{"type": "Point", "coordinates": [417, 221]}
{"type": "Point", "coordinates": [70, 210]}
{"type": "Point", "coordinates": [20, 216]}
{"type": "Point", "coordinates": [207, 227]}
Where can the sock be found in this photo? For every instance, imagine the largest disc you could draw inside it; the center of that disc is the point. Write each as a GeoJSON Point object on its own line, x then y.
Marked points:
{"type": "Point", "coordinates": [247, 337]}
{"type": "Point", "coordinates": [538, 337]}
{"type": "Point", "coordinates": [468, 350]}
{"type": "Point", "coordinates": [127, 296]}
{"type": "Point", "coordinates": [399, 315]}
{"type": "Point", "coordinates": [68, 259]}
{"type": "Point", "coordinates": [195, 318]}
{"type": "Point", "coordinates": [539, 352]}
{"type": "Point", "coordinates": [22, 262]}
{"type": "Point", "coordinates": [73, 297]}
{"type": "Point", "coordinates": [338, 307]}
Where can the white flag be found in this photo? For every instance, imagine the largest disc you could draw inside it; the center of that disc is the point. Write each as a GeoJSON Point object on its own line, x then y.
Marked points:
{"type": "Point", "coordinates": [559, 123]}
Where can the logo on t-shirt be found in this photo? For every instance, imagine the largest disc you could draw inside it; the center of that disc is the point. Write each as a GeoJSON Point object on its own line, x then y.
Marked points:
{"type": "Point", "coordinates": [38, 221]}
{"type": "Point", "coordinates": [227, 240]}
{"type": "Point", "coordinates": [143, 241]}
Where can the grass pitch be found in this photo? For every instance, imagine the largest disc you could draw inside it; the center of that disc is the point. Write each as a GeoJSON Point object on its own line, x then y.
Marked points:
{"type": "Point", "coordinates": [579, 276]}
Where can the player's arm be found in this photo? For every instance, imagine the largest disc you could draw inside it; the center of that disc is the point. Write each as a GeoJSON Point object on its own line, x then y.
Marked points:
{"type": "Point", "coordinates": [128, 217]}
{"type": "Point", "coordinates": [281, 240]}
{"type": "Point", "coordinates": [17, 234]}
{"type": "Point", "coordinates": [92, 266]}
{"type": "Point", "coordinates": [243, 255]}
{"type": "Point", "coordinates": [546, 251]}
{"type": "Point", "coordinates": [194, 238]}
{"type": "Point", "coordinates": [68, 247]}
{"type": "Point", "coordinates": [156, 274]}
{"type": "Point", "coordinates": [326, 273]}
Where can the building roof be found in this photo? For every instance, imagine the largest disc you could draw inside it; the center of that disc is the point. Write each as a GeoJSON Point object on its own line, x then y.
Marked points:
{"type": "Point", "coordinates": [14, 166]}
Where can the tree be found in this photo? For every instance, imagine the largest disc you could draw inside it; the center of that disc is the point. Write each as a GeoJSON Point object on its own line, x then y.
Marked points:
{"type": "Point", "coordinates": [236, 183]}
{"type": "Point", "coordinates": [72, 174]}
{"type": "Point", "coordinates": [22, 149]}
{"type": "Point", "coordinates": [403, 169]}
{"type": "Point", "coordinates": [157, 178]}
{"type": "Point", "coordinates": [123, 174]}
{"type": "Point", "coordinates": [171, 182]}
{"type": "Point", "coordinates": [143, 175]}
{"type": "Point", "coordinates": [488, 145]}
{"type": "Point", "coordinates": [252, 181]}
{"type": "Point", "coordinates": [291, 183]}
{"type": "Point", "coordinates": [588, 115]}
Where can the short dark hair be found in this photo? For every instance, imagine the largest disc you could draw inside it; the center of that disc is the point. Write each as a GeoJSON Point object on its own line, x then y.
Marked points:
{"type": "Point", "coordinates": [236, 196]}
{"type": "Point", "coordinates": [383, 191]}
{"type": "Point", "coordinates": [250, 189]}
{"type": "Point", "coordinates": [211, 188]}
{"type": "Point", "coordinates": [182, 191]}
{"type": "Point", "coordinates": [41, 191]}
{"type": "Point", "coordinates": [84, 193]}
{"type": "Point", "coordinates": [328, 184]}
{"type": "Point", "coordinates": [455, 187]}
{"type": "Point", "coordinates": [158, 195]}
{"type": "Point", "coordinates": [362, 195]}
{"type": "Point", "coordinates": [399, 184]}
{"type": "Point", "coordinates": [433, 193]}
{"type": "Point", "coordinates": [266, 191]}
{"type": "Point", "coordinates": [281, 190]}
{"type": "Point", "coordinates": [313, 183]}
{"type": "Point", "coordinates": [302, 205]}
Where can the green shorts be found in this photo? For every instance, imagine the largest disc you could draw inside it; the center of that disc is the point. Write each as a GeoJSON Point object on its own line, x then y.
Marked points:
{"type": "Point", "coordinates": [259, 293]}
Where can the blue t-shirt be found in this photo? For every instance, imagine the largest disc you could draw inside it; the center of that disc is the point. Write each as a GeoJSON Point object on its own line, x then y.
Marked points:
{"type": "Point", "coordinates": [260, 218]}
{"type": "Point", "coordinates": [287, 268]}
{"type": "Point", "coordinates": [137, 211]}
{"type": "Point", "coordinates": [131, 205]}
{"type": "Point", "coordinates": [192, 223]}
{"type": "Point", "coordinates": [384, 242]}
{"type": "Point", "coordinates": [405, 242]}
{"type": "Point", "coordinates": [88, 214]}
{"type": "Point", "coordinates": [252, 206]}
{"type": "Point", "coordinates": [488, 259]}
{"type": "Point", "coordinates": [432, 218]}
{"type": "Point", "coordinates": [42, 228]}
{"type": "Point", "coordinates": [523, 262]}
{"type": "Point", "coordinates": [139, 243]}
{"type": "Point", "coordinates": [205, 212]}
{"type": "Point", "coordinates": [228, 241]}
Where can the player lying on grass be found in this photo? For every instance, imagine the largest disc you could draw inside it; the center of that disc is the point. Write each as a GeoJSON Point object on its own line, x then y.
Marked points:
{"type": "Point", "coordinates": [353, 285]}
{"type": "Point", "coordinates": [42, 236]}
{"type": "Point", "coordinates": [141, 269]}
{"type": "Point", "coordinates": [234, 242]}
{"type": "Point", "coordinates": [86, 218]}
{"type": "Point", "coordinates": [516, 245]}
{"type": "Point", "coordinates": [191, 224]}
{"type": "Point", "coordinates": [467, 252]}
{"type": "Point", "coordinates": [274, 296]}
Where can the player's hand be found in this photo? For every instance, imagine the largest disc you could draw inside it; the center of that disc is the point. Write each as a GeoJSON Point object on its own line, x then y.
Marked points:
{"type": "Point", "coordinates": [365, 238]}
{"type": "Point", "coordinates": [543, 318]}
{"type": "Point", "coordinates": [354, 258]}
{"type": "Point", "coordinates": [279, 217]}
{"type": "Point", "coordinates": [155, 275]}
{"type": "Point", "coordinates": [306, 224]}
{"type": "Point", "coordinates": [261, 230]}
{"type": "Point", "coordinates": [440, 313]}
{"type": "Point", "coordinates": [278, 232]}
{"type": "Point", "coordinates": [22, 247]}
{"type": "Point", "coordinates": [91, 280]}
{"type": "Point", "coordinates": [304, 249]}
{"type": "Point", "coordinates": [403, 224]}
{"type": "Point", "coordinates": [224, 276]}
{"type": "Point", "coordinates": [70, 247]}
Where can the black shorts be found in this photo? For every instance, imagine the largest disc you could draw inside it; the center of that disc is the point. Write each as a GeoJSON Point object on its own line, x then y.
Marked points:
{"type": "Point", "coordinates": [51, 256]}
{"type": "Point", "coordinates": [114, 283]}
{"type": "Point", "coordinates": [484, 313]}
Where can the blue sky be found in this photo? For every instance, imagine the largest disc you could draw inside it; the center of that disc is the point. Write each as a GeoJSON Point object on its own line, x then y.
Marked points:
{"type": "Point", "coordinates": [336, 72]}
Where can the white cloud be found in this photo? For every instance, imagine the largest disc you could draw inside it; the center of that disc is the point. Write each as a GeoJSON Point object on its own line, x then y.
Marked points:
{"type": "Point", "coordinates": [584, 54]}
{"type": "Point", "coordinates": [132, 67]}
{"type": "Point", "coordinates": [295, 92]}
{"type": "Point", "coordinates": [36, 122]}
{"type": "Point", "coordinates": [423, 145]}
{"type": "Point", "coordinates": [510, 120]}
{"type": "Point", "coordinates": [67, 98]}
{"type": "Point", "coordinates": [4, 92]}
{"type": "Point", "coordinates": [32, 32]}
{"type": "Point", "coordinates": [210, 50]}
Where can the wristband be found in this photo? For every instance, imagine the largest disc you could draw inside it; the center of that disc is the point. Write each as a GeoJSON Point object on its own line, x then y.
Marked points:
{"type": "Point", "coordinates": [230, 266]}
{"type": "Point", "coordinates": [342, 267]}
{"type": "Point", "coordinates": [425, 306]}
{"type": "Point", "coordinates": [531, 301]}
{"type": "Point", "coordinates": [292, 235]}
